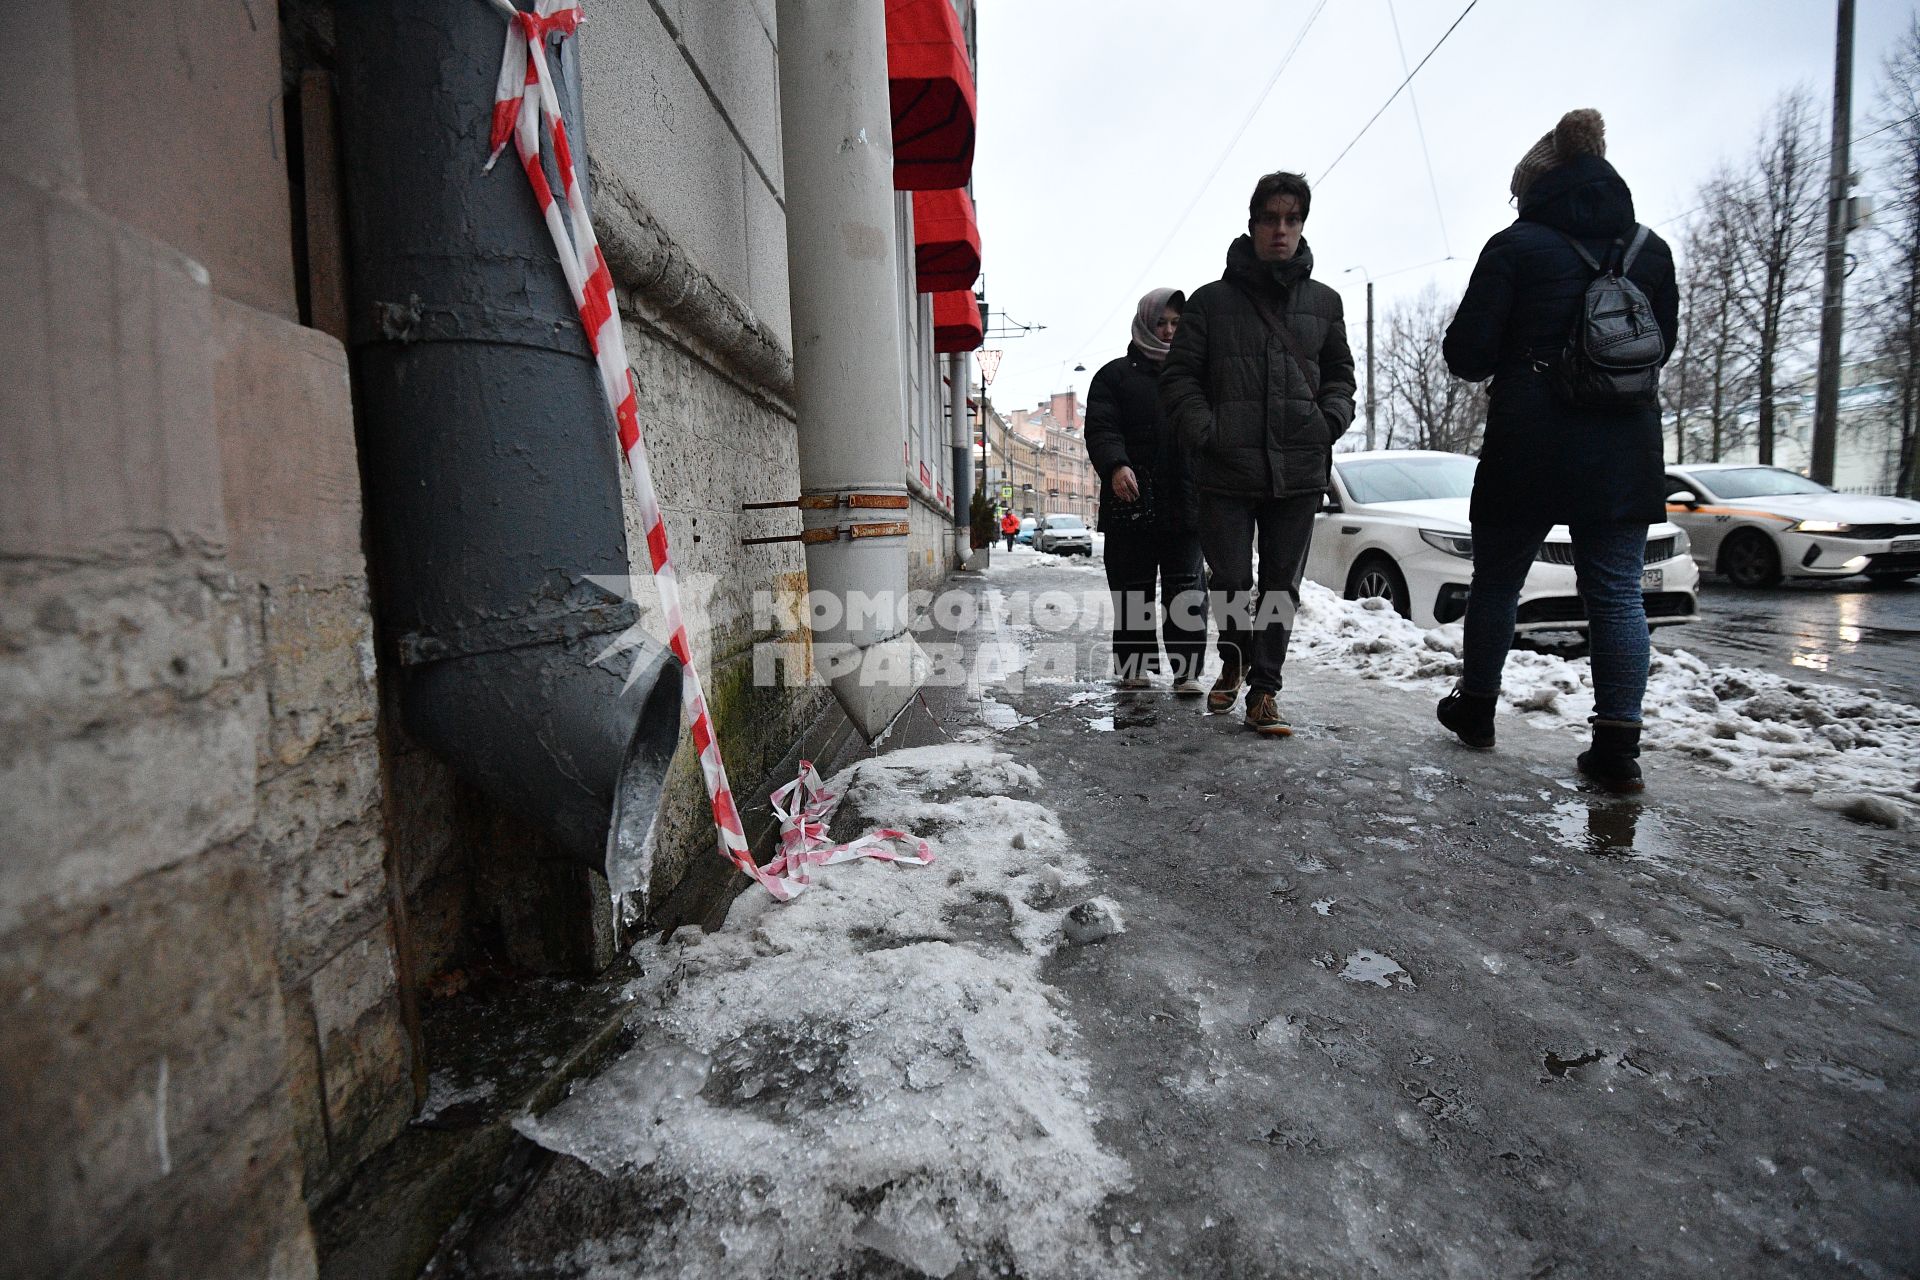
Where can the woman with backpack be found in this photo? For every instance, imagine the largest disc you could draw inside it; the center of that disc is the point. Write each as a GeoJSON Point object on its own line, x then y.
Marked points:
{"type": "Point", "coordinates": [1571, 310]}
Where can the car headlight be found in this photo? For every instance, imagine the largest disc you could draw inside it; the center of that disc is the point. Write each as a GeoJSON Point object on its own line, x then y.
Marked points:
{"type": "Point", "coordinates": [1682, 543]}
{"type": "Point", "coordinates": [1822, 526]}
{"type": "Point", "coordinates": [1454, 544]}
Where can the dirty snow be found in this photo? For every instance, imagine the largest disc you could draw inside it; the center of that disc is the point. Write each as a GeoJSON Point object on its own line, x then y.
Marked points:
{"type": "Point", "coordinates": [1787, 734]}
{"type": "Point", "coordinates": [875, 1068]}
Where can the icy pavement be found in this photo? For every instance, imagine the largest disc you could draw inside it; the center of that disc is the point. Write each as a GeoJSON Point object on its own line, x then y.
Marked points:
{"type": "Point", "coordinates": [1381, 1007]}
{"type": "Point", "coordinates": [874, 1069]}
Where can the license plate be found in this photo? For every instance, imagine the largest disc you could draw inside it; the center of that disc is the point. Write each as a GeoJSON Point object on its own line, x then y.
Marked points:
{"type": "Point", "coordinates": [1652, 579]}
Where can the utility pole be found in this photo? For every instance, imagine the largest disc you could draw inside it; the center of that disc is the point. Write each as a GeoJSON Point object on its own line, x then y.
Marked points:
{"type": "Point", "coordinates": [1369, 363]}
{"type": "Point", "coordinates": [1826, 405]}
{"type": "Point", "coordinates": [1368, 276]}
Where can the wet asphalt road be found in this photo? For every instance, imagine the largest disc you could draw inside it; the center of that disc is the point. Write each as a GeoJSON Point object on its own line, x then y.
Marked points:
{"type": "Point", "coordinates": [1841, 631]}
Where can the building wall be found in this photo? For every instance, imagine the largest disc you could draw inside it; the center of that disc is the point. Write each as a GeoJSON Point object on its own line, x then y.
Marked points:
{"type": "Point", "coordinates": [192, 909]}
{"type": "Point", "coordinates": [682, 108]}
{"type": "Point", "coordinates": [231, 877]}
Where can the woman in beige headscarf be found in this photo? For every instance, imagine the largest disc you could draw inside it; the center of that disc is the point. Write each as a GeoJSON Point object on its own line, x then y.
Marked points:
{"type": "Point", "coordinates": [1147, 507]}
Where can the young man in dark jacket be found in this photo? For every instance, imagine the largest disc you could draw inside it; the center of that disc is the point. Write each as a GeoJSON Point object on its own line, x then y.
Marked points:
{"type": "Point", "coordinates": [1548, 461]}
{"type": "Point", "coordinates": [1259, 384]}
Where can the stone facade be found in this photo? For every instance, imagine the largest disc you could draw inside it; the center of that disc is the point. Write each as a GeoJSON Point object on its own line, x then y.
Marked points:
{"type": "Point", "coordinates": [233, 881]}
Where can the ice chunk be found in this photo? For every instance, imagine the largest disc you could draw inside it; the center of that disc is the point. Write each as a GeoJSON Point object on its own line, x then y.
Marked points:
{"type": "Point", "coordinates": [1873, 811]}
{"type": "Point", "coordinates": [912, 1234]}
{"type": "Point", "coordinates": [1092, 920]}
{"type": "Point", "coordinates": [1375, 969]}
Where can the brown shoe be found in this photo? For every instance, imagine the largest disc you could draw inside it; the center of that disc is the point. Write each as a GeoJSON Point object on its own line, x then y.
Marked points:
{"type": "Point", "coordinates": [1263, 715]}
{"type": "Point", "coordinates": [1225, 691]}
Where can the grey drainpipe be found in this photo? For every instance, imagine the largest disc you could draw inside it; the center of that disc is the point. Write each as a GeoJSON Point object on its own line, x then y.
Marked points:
{"type": "Point", "coordinates": [837, 141]}
{"type": "Point", "coordinates": [959, 373]}
{"type": "Point", "coordinates": [491, 465]}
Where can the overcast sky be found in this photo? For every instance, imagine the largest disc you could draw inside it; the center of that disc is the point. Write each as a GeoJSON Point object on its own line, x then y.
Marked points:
{"type": "Point", "coordinates": [1100, 118]}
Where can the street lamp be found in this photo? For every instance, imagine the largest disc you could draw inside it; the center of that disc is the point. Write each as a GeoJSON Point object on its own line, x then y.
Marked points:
{"type": "Point", "coordinates": [1369, 279]}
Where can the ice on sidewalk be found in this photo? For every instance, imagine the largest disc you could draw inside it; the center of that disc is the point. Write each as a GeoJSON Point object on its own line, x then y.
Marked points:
{"type": "Point", "coordinates": [876, 1067]}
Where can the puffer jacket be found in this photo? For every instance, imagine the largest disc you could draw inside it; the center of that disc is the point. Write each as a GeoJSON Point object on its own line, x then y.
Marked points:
{"type": "Point", "coordinates": [1125, 428]}
{"type": "Point", "coordinates": [1545, 459]}
{"type": "Point", "coordinates": [1238, 400]}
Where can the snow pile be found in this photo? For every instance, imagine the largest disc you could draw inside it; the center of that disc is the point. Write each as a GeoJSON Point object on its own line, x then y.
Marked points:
{"type": "Point", "coordinates": [873, 1068]}
{"type": "Point", "coordinates": [1792, 735]}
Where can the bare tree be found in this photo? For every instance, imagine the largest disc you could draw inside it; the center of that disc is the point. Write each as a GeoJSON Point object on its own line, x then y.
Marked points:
{"type": "Point", "coordinates": [1892, 311]}
{"type": "Point", "coordinates": [1709, 380]}
{"type": "Point", "coordinates": [1426, 406]}
{"type": "Point", "coordinates": [1777, 215]}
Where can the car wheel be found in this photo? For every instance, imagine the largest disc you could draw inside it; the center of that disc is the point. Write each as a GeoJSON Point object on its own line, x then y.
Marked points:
{"type": "Point", "coordinates": [1376, 575]}
{"type": "Point", "coordinates": [1750, 559]}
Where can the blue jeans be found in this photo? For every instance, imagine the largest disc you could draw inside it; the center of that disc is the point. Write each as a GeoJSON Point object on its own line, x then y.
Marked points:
{"type": "Point", "coordinates": [1607, 562]}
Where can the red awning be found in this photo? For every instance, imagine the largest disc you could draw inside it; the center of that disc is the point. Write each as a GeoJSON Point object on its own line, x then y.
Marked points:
{"type": "Point", "coordinates": [956, 321]}
{"type": "Point", "coordinates": [931, 85]}
{"type": "Point", "coordinates": [946, 241]}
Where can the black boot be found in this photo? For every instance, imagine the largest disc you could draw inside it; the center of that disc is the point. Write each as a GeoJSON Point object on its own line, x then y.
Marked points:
{"type": "Point", "coordinates": [1470, 716]}
{"type": "Point", "coordinates": [1613, 761]}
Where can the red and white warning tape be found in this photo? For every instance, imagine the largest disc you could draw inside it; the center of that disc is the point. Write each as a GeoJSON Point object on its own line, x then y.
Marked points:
{"type": "Point", "coordinates": [517, 117]}
{"type": "Point", "coordinates": [805, 807]}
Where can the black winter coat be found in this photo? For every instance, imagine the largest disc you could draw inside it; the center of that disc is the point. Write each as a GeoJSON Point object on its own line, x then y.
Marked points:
{"type": "Point", "coordinates": [1125, 428]}
{"type": "Point", "coordinates": [1238, 399]}
{"type": "Point", "coordinates": [1545, 459]}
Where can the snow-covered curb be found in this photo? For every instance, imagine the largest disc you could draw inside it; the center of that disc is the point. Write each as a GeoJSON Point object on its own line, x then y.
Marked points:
{"type": "Point", "coordinates": [1793, 735]}
{"type": "Point", "coordinates": [875, 1066]}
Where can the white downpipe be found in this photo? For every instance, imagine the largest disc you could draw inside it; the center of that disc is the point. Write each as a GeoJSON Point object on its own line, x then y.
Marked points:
{"type": "Point", "coordinates": [837, 141]}
{"type": "Point", "coordinates": [959, 376]}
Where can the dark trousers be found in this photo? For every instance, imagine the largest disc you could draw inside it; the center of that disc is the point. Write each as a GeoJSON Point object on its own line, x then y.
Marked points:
{"type": "Point", "coordinates": [1256, 619]}
{"type": "Point", "coordinates": [1137, 560]}
{"type": "Point", "coordinates": [1009, 537]}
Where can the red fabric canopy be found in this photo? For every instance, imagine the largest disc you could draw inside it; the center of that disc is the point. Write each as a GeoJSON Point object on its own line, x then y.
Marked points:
{"type": "Point", "coordinates": [931, 86]}
{"type": "Point", "coordinates": [946, 241]}
{"type": "Point", "coordinates": [956, 321]}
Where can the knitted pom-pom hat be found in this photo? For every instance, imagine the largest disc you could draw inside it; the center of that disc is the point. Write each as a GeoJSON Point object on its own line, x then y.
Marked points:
{"type": "Point", "coordinates": [1579, 133]}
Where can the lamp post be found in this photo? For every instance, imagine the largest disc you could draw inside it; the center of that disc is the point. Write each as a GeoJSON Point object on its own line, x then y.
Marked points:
{"type": "Point", "coordinates": [1369, 279]}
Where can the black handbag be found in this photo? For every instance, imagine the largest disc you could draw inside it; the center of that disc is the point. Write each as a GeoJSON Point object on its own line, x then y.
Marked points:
{"type": "Point", "coordinates": [1138, 514]}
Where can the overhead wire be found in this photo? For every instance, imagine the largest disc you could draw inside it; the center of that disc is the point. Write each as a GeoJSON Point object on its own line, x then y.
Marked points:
{"type": "Point", "coordinates": [1198, 192]}
{"type": "Point", "coordinates": [1413, 99]}
{"type": "Point", "coordinates": [1396, 93]}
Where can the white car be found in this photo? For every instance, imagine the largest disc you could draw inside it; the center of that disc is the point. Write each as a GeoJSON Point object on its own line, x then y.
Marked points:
{"type": "Point", "coordinates": [1395, 524]}
{"type": "Point", "coordinates": [1063, 534]}
{"type": "Point", "coordinates": [1759, 524]}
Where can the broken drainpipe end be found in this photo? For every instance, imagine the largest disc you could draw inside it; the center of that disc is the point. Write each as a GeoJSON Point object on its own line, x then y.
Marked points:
{"type": "Point", "coordinates": [576, 747]}
{"type": "Point", "coordinates": [887, 679]}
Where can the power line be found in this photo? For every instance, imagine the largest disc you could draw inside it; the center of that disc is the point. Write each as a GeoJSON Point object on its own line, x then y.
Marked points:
{"type": "Point", "coordinates": [1213, 173]}
{"type": "Point", "coordinates": [1396, 93]}
{"type": "Point", "coordinates": [1420, 127]}
{"type": "Point", "coordinates": [1750, 183]}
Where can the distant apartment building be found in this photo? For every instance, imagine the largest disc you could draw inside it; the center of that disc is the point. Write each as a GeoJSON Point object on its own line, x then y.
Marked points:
{"type": "Point", "coordinates": [1068, 480]}
{"type": "Point", "coordinates": [1015, 479]}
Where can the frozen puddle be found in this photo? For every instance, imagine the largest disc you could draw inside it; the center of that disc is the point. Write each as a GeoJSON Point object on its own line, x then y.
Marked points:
{"type": "Point", "coordinates": [866, 1075]}
{"type": "Point", "coordinates": [1375, 969]}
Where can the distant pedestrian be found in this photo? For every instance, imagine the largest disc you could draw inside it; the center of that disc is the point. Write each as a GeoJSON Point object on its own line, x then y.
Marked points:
{"type": "Point", "coordinates": [1147, 507]}
{"type": "Point", "coordinates": [1559, 450]}
{"type": "Point", "coordinates": [1009, 527]}
{"type": "Point", "coordinates": [1259, 384]}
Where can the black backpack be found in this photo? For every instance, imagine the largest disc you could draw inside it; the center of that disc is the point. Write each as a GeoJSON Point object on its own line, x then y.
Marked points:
{"type": "Point", "coordinates": [1612, 357]}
